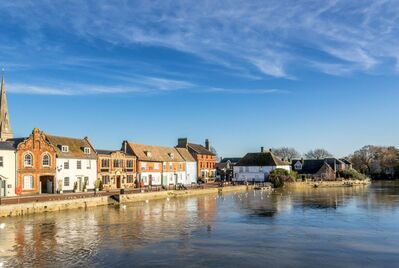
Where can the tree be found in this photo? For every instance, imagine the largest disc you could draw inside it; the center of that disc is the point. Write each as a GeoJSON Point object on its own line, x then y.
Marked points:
{"type": "Point", "coordinates": [363, 159]}
{"type": "Point", "coordinates": [286, 153]}
{"type": "Point", "coordinates": [318, 154]}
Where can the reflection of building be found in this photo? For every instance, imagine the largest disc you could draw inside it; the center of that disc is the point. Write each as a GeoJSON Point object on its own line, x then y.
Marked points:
{"type": "Point", "coordinates": [116, 169]}
{"type": "Point", "coordinates": [206, 159]}
{"type": "Point", "coordinates": [325, 169]}
{"type": "Point", "coordinates": [76, 163]}
{"type": "Point", "coordinates": [157, 165]}
{"type": "Point", "coordinates": [36, 164]}
{"type": "Point", "coordinates": [257, 166]}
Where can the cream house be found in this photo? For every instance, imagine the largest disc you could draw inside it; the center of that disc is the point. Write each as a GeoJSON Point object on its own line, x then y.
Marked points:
{"type": "Point", "coordinates": [7, 169]}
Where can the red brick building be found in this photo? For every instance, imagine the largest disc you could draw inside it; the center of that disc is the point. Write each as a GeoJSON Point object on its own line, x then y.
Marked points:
{"type": "Point", "coordinates": [206, 159]}
{"type": "Point", "coordinates": [36, 164]}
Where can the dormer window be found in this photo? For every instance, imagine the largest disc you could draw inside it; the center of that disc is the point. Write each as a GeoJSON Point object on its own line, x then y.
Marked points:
{"type": "Point", "coordinates": [65, 148]}
{"type": "Point", "coordinates": [86, 150]}
{"type": "Point", "coordinates": [148, 153]}
{"type": "Point", "coordinates": [298, 165]}
{"type": "Point", "coordinates": [171, 155]}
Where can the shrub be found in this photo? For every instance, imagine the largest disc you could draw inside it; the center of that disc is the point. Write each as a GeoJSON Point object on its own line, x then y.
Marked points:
{"type": "Point", "coordinates": [279, 176]}
{"type": "Point", "coordinates": [351, 174]}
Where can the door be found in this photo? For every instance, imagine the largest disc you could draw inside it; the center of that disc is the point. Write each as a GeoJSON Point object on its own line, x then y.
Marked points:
{"type": "Point", "coordinates": [150, 180]}
{"type": "Point", "coordinates": [2, 188]}
{"type": "Point", "coordinates": [47, 183]}
{"type": "Point", "coordinates": [118, 182]}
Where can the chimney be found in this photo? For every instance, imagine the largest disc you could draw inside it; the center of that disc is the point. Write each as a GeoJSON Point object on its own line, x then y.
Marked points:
{"type": "Point", "coordinates": [302, 161]}
{"type": "Point", "coordinates": [262, 149]}
{"type": "Point", "coordinates": [270, 150]}
{"type": "Point", "coordinates": [207, 145]}
{"type": "Point", "coordinates": [182, 142]}
{"type": "Point", "coordinates": [124, 146]}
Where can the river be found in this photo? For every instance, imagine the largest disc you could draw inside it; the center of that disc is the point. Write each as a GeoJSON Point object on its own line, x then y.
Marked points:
{"type": "Point", "coordinates": [329, 227]}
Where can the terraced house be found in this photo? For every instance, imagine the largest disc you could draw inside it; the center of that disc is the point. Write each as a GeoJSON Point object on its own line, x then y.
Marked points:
{"type": "Point", "coordinates": [76, 163]}
{"type": "Point", "coordinates": [157, 165]}
{"type": "Point", "coordinates": [205, 158]}
{"type": "Point", "coordinates": [116, 169]}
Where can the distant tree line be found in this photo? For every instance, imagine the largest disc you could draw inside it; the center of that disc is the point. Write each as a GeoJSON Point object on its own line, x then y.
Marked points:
{"type": "Point", "coordinates": [377, 162]}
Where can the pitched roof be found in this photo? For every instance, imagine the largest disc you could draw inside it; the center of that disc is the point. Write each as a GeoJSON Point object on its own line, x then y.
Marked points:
{"type": "Point", "coordinates": [199, 149]}
{"type": "Point", "coordinates": [264, 159]}
{"type": "Point", "coordinates": [107, 152]}
{"type": "Point", "coordinates": [7, 146]}
{"type": "Point", "coordinates": [158, 153]}
{"type": "Point", "coordinates": [309, 166]}
{"type": "Point", "coordinates": [231, 159]}
{"type": "Point", "coordinates": [185, 154]}
{"type": "Point", "coordinates": [15, 141]}
{"type": "Point", "coordinates": [75, 147]}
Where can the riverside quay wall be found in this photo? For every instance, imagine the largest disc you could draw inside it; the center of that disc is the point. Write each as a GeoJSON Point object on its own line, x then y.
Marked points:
{"type": "Point", "coordinates": [39, 206]}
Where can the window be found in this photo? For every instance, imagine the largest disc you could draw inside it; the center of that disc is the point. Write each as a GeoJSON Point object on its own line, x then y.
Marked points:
{"type": "Point", "coordinates": [241, 169]}
{"type": "Point", "coordinates": [143, 166]}
{"type": "Point", "coordinates": [1, 161]}
{"type": "Point", "coordinates": [181, 166]}
{"type": "Point", "coordinates": [171, 155]}
{"type": "Point", "coordinates": [88, 164]}
{"type": "Point", "coordinates": [148, 153]}
{"type": "Point", "coordinates": [118, 163]}
{"type": "Point", "coordinates": [298, 165]}
{"type": "Point", "coordinates": [129, 163]}
{"type": "Point", "coordinates": [28, 182]}
{"type": "Point", "coordinates": [46, 160]}
{"type": "Point", "coordinates": [28, 160]}
{"type": "Point", "coordinates": [105, 163]}
{"type": "Point", "coordinates": [66, 164]}
{"type": "Point", "coordinates": [156, 166]}
{"type": "Point", "coordinates": [66, 181]}
{"type": "Point", "coordinates": [170, 167]}
{"type": "Point", "coordinates": [86, 150]}
{"type": "Point", "coordinates": [105, 179]}
{"type": "Point", "coordinates": [65, 148]}
{"type": "Point", "coordinates": [79, 164]}
{"type": "Point", "coordinates": [246, 169]}
{"type": "Point", "coordinates": [130, 179]}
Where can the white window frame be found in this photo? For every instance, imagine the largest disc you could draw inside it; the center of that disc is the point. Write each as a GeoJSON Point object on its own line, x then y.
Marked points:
{"type": "Point", "coordinates": [87, 150]}
{"type": "Point", "coordinates": [143, 166]}
{"type": "Point", "coordinates": [79, 164]}
{"type": "Point", "coordinates": [28, 185]}
{"type": "Point", "coordinates": [66, 164]}
{"type": "Point", "coordinates": [65, 148]}
{"type": "Point", "coordinates": [31, 159]}
{"type": "Point", "coordinates": [49, 160]}
{"type": "Point", "coordinates": [88, 164]}
{"type": "Point", "coordinates": [67, 179]}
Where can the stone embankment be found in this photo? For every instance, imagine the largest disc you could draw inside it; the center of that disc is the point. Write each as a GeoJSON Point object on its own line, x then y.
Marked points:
{"type": "Point", "coordinates": [10, 210]}
{"type": "Point", "coordinates": [321, 184]}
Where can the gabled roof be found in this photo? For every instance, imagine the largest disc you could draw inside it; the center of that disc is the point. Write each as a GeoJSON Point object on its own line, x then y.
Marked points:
{"type": "Point", "coordinates": [158, 153]}
{"type": "Point", "coordinates": [265, 159]}
{"type": "Point", "coordinates": [75, 147]}
{"type": "Point", "coordinates": [6, 146]}
{"type": "Point", "coordinates": [185, 154]}
{"type": "Point", "coordinates": [199, 149]}
{"type": "Point", "coordinates": [231, 159]}
{"type": "Point", "coordinates": [309, 166]}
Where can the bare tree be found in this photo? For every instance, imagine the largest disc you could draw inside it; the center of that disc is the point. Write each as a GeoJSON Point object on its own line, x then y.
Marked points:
{"type": "Point", "coordinates": [318, 154]}
{"type": "Point", "coordinates": [364, 158]}
{"type": "Point", "coordinates": [286, 153]}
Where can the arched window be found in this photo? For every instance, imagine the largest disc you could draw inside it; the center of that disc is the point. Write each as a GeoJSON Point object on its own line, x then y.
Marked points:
{"type": "Point", "coordinates": [28, 160]}
{"type": "Point", "coordinates": [46, 160]}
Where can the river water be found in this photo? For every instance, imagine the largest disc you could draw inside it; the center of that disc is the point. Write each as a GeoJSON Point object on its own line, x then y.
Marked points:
{"type": "Point", "coordinates": [334, 227]}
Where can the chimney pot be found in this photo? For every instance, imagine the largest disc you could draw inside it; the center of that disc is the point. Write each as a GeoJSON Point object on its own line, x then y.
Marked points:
{"type": "Point", "coordinates": [262, 149]}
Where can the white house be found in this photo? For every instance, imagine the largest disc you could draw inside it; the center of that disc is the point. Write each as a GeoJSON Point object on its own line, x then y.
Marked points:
{"type": "Point", "coordinates": [7, 169]}
{"type": "Point", "coordinates": [76, 164]}
{"type": "Point", "coordinates": [191, 166]}
{"type": "Point", "coordinates": [256, 167]}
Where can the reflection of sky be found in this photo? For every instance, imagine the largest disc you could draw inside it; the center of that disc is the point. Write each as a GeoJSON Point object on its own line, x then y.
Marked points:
{"type": "Point", "coordinates": [348, 226]}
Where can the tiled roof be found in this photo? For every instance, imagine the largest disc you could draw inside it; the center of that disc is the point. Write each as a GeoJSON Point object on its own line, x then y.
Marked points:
{"type": "Point", "coordinates": [15, 141]}
{"type": "Point", "coordinates": [7, 146]}
{"type": "Point", "coordinates": [107, 152]}
{"type": "Point", "coordinates": [156, 153]}
{"type": "Point", "coordinates": [199, 149]}
{"type": "Point", "coordinates": [265, 159]}
{"type": "Point", "coordinates": [75, 147]}
{"type": "Point", "coordinates": [231, 159]}
{"type": "Point", "coordinates": [185, 154]}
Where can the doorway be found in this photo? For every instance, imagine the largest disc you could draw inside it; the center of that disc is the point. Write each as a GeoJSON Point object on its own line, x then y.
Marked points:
{"type": "Point", "coordinates": [150, 180]}
{"type": "Point", "coordinates": [47, 184]}
{"type": "Point", "coordinates": [118, 182]}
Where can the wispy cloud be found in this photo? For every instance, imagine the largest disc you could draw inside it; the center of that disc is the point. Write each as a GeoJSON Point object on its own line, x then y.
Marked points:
{"type": "Point", "coordinates": [256, 36]}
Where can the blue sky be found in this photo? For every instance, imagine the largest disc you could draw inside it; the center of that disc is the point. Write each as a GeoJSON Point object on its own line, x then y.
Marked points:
{"type": "Point", "coordinates": [244, 74]}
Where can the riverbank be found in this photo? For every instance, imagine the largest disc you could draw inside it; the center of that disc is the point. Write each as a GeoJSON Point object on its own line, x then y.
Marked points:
{"type": "Point", "coordinates": [324, 184]}
{"type": "Point", "coordinates": [13, 210]}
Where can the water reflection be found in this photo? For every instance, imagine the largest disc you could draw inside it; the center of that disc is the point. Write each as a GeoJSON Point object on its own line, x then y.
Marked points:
{"type": "Point", "coordinates": [294, 227]}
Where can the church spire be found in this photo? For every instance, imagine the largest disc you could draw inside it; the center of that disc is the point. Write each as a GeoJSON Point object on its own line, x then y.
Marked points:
{"type": "Point", "coordinates": [5, 127]}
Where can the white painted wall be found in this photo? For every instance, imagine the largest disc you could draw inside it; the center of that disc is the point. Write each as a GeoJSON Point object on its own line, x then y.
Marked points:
{"type": "Point", "coordinates": [169, 178]}
{"type": "Point", "coordinates": [156, 178]}
{"type": "Point", "coordinates": [7, 173]}
{"type": "Point", "coordinates": [74, 174]}
{"type": "Point", "coordinates": [191, 172]}
{"type": "Point", "coordinates": [254, 173]}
